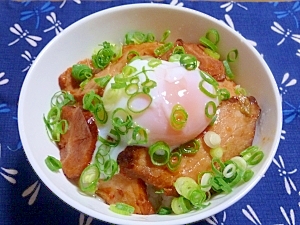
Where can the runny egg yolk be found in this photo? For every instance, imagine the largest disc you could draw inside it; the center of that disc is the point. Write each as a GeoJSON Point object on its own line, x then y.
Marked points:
{"type": "Point", "coordinates": [172, 86]}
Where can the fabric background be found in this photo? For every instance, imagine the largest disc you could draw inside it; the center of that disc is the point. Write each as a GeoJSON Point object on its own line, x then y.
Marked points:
{"type": "Point", "coordinates": [272, 28]}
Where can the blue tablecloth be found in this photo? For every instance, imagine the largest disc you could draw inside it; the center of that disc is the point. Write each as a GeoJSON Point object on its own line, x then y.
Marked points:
{"type": "Point", "coordinates": [27, 26]}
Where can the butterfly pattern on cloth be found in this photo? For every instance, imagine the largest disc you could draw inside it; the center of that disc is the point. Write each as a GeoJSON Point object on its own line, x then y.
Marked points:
{"type": "Point", "coordinates": [272, 28]}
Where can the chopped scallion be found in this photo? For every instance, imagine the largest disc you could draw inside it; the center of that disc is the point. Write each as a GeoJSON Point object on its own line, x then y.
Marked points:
{"type": "Point", "coordinates": [122, 208]}
{"type": "Point", "coordinates": [53, 164]}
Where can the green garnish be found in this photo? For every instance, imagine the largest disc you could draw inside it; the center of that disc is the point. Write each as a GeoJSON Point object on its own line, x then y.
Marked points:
{"type": "Point", "coordinates": [81, 72]}
{"type": "Point", "coordinates": [93, 102]}
{"type": "Point", "coordinates": [102, 81]}
{"type": "Point", "coordinates": [54, 124]}
{"type": "Point", "coordinates": [122, 208]}
{"type": "Point", "coordinates": [138, 37]}
{"type": "Point", "coordinates": [231, 57]}
{"type": "Point", "coordinates": [89, 179]}
{"type": "Point", "coordinates": [52, 163]}
{"type": "Point", "coordinates": [159, 51]}
{"type": "Point", "coordinates": [159, 153]}
{"type": "Point", "coordinates": [188, 61]}
{"type": "Point", "coordinates": [178, 117]}
{"type": "Point", "coordinates": [107, 53]}
{"type": "Point", "coordinates": [166, 34]}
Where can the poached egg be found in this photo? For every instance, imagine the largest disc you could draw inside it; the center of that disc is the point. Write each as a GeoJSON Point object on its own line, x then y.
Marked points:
{"type": "Point", "coordinates": [171, 85]}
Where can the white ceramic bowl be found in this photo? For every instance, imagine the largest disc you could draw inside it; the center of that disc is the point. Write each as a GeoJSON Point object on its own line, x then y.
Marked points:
{"type": "Point", "coordinates": [78, 42]}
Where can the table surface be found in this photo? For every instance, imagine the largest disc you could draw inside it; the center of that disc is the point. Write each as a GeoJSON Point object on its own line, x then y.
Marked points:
{"type": "Point", "coordinates": [271, 27]}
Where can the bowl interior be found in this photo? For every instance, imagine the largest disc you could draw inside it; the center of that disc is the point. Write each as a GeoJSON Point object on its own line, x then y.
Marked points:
{"type": "Point", "coordinates": [78, 42]}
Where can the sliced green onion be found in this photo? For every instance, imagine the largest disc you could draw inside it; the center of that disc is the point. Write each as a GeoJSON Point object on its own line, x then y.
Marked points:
{"type": "Point", "coordinates": [205, 91]}
{"type": "Point", "coordinates": [217, 166]}
{"type": "Point", "coordinates": [216, 152]}
{"type": "Point", "coordinates": [100, 113]}
{"type": "Point", "coordinates": [52, 163]}
{"type": "Point", "coordinates": [159, 51]}
{"type": "Point", "coordinates": [224, 94]}
{"type": "Point", "coordinates": [81, 72]}
{"type": "Point", "coordinates": [128, 70]}
{"type": "Point", "coordinates": [190, 147]}
{"type": "Point", "coordinates": [112, 142]}
{"type": "Point", "coordinates": [132, 88]}
{"type": "Point", "coordinates": [174, 161]}
{"type": "Point", "coordinates": [118, 85]}
{"type": "Point", "coordinates": [185, 185]}
{"type": "Point", "coordinates": [181, 205]}
{"type": "Point", "coordinates": [178, 50]}
{"type": "Point", "coordinates": [159, 153]}
{"type": "Point", "coordinates": [220, 185]}
{"type": "Point", "coordinates": [150, 37]}
{"type": "Point", "coordinates": [232, 55]}
{"type": "Point", "coordinates": [136, 37]}
{"type": "Point", "coordinates": [175, 58]}
{"type": "Point", "coordinates": [121, 120]}
{"type": "Point", "coordinates": [106, 54]}
{"type": "Point", "coordinates": [213, 36]}
{"type": "Point", "coordinates": [210, 109]}
{"type": "Point", "coordinates": [212, 139]}
{"type": "Point", "coordinates": [166, 34]}
{"type": "Point", "coordinates": [205, 181]}
{"type": "Point", "coordinates": [154, 62]}
{"type": "Point", "coordinates": [139, 135]}
{"type": "Point", "coordinates": [110, 97]}
{"type": "Point", "coordinates": [228, 70]}
{"type": "Point", "coordinates": [248, 174]}
{"type": "Point", "coordinates": [197, 198]}
{"type": "Point", "coordinates": [208, 43]}
{"type": "Point", "coordinates": [240, 162]}
{"type": "Point", "coordinates": [102, 81]}
{"type": "Point", "coordinates": [91, 100]}
{"type": "Point", "coordinates": [110, 168]}
{"type": "Point", "coordinates": [139, 102]}
{"type": "Point", "coordinates": [189, 189]}
{"type": "Point", "coordinates": [188, 61]}
{"type": "Point", "coordinates": [229, 170]}
{"type": "Point", "coordinates": [211, 53]}
{"type": "Point", "coordinates": [103, 149]}
{"type": "Point", "coordinates": [53, 115]}
{"type": "Point", "coordinates": [178, 117]}
{"type": "Point", "coordinates": [209, 79]}
{"type": "Point", "coordinates": [122, 208]}
{"type": "Point", "coordinates": [164, 211]}
{"type": "Point", "coordinates": [240, 91]}
{"type": "Point", "coordinates": [89, 179]}
{"type": "Point", "coordinates": [132, 55]}
{"type": "Point", "coordinates": [62, 98]}
{"type": "Point", "coordinates": [253, 155]}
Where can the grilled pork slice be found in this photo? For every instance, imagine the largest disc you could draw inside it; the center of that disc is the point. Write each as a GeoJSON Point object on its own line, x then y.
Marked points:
{"type": "Point", "coordinates": [235, 123]}
{"type": "Point", "coordinates": [131, 191]}
{"type": "Point", "coordinates": [78, 143]}
{"type": "Point", "coordinates": [68, 83]}
{"type": "Point", "coordinates": [207, 63]}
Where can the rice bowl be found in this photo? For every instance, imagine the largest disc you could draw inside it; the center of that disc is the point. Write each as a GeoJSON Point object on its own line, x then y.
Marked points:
{"type": "Point", "coordinates": [115, 22]}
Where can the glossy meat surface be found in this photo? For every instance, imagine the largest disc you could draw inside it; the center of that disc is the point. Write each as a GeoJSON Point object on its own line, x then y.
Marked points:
{"type": "Point", "coordinates": [235, 127]}
{"type": "Point", "coordinates": [78, 143]}
{"type": "Point", "coordinates": [131, 191]}
{"type": "Point", "coordinates": [208, 64]}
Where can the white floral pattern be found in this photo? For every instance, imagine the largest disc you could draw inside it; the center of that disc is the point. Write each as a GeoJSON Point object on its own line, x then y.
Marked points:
{"type": "Point", "coordinates": [272, 28]}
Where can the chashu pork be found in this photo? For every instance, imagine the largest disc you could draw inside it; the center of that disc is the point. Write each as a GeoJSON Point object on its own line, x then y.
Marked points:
{"type": "Point", "coordinates": [78, 143]}
{"type": "Point", "coordinates": [235, 123]}
{"type": "Point", "coordinates": [207, 64]}
{"type": "Point", "coordinates": [131, 191]}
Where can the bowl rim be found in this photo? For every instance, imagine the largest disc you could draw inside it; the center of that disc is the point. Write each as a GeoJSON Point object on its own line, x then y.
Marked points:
{"type": "Point", "coordinates": [74, 204]}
